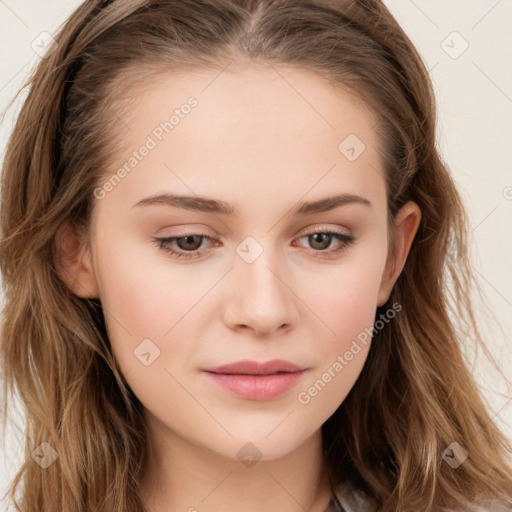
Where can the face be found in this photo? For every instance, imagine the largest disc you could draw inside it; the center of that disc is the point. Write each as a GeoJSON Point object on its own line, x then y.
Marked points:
{"type": "Point", "coordinates": [188, 286]}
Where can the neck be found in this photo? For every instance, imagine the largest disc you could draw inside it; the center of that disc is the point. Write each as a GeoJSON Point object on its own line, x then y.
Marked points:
{"type": "Point", "coordinates": [182, 476]}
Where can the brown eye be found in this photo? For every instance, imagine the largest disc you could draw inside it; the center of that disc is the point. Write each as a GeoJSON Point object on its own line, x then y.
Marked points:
{"type": "Point", "coordinates": [186, 246]}
{"type": "Point", "coordinates": [320, 241]}
{"type": "Point", "coordinates": [190, 242]}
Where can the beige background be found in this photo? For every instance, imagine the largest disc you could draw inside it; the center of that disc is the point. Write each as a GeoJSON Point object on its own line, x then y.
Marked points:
{"type": "Point", "coordinates": [467, 46]}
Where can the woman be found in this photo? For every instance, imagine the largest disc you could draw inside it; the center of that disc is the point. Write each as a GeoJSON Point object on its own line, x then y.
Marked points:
{"type": "Point", "coordinates": [180, 332]}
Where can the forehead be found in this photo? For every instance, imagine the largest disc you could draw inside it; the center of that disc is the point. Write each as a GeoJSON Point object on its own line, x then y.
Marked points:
{"type": "Point", "coordinates": [262, 128]}
{"type": "Point", "coordinates": [264, 96]}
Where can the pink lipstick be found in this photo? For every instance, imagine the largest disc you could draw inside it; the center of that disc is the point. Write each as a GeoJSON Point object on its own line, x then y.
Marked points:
{"type": "Point", "coordinates": [256, 381]}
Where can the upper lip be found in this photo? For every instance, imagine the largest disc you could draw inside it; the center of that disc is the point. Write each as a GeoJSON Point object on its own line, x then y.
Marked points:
{"type": "Point", "coordinates": [255, 368]}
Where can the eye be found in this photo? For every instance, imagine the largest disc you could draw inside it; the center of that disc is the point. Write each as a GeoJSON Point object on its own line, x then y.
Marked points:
{"type": "Point", "coordinates": [321, 239]}
{"type": "Point", "coordinates": [188, 245]}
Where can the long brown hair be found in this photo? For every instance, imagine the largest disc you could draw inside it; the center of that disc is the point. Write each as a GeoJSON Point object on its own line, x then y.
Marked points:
{"type": "Point", "coordinates": [415, 395]}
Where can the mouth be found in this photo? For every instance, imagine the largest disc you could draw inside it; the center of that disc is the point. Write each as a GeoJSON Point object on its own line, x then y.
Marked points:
{"type": "Point", "coordinates": [256, 381]}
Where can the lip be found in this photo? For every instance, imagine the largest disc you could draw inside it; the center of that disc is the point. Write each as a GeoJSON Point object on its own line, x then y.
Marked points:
{"type": "Point", "coordinates": [256, 381]}
{"type": "Point", "coordinates": [249, 367]}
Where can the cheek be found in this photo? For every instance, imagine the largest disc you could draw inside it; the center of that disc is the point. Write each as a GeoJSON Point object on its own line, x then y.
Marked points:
{"type": "Point", "coordinates": [345, 300]}
{"type": "Point", "coordinates": [148, 298]}
{"type": "Point", "coordinates": [138, 303]}
{"type": "Point", "coordinates": [346, 303]}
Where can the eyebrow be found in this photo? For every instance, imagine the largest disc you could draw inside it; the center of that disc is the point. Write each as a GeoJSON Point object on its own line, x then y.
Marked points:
{"type": "Point", "coordinates": [209, 205]}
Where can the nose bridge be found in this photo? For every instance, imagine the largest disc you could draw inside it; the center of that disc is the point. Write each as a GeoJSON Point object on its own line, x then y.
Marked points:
{"type": "Point", "coordinates": [263, 300]}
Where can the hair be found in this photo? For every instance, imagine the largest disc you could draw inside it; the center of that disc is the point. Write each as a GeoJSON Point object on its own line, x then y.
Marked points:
{"type": "Point", "coordinates": [415, 395]}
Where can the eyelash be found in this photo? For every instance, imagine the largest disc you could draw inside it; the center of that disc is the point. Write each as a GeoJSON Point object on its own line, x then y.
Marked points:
{"type": "Point", "coordinates": [163, 243]}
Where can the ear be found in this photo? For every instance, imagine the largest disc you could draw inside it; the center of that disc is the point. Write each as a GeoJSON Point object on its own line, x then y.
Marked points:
{"type": "Point", "coordinates": [74, 263]}
{"type": "Point", "coordinates": [406, 225]}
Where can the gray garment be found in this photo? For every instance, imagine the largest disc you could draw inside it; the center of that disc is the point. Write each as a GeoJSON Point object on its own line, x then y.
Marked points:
{"type": "Point", "coordinates": [348, 499]}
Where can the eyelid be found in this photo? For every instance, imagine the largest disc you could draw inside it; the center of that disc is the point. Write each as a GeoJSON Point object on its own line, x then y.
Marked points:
{"type": "Point", "coordinates": [305, 231]}
{"type": "Point", "coordinates": [323, 229]}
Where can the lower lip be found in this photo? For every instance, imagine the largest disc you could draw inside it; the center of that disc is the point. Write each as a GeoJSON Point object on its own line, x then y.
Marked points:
{"type": "Point", "coordinates": [257, 387]}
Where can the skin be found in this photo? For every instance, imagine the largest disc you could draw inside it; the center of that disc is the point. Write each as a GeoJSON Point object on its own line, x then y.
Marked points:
{"type": "Point", "coordinates": [264, 141]}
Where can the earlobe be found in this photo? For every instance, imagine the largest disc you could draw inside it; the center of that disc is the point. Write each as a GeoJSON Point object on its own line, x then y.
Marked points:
{"type": "Point", "coordinates": [73, 263]}
{"type": "Point", "coordinates": [407, 221]}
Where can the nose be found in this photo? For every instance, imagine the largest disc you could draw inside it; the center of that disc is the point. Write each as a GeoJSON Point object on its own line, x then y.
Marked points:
{"type": "Point", "coordinates": [261, 299]}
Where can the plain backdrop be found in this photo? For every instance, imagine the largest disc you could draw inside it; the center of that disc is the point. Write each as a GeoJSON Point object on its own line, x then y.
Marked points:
{"type": "Point", "coordinates": [467, 47]}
